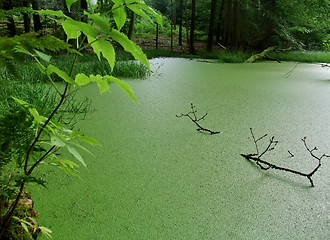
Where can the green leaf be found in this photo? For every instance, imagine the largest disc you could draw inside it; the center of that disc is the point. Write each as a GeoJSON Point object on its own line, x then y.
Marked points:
{"type": "Point", "coordinates": [82, 80]}
{"type": "Point", "coordinates": [130, 46]}
{"type": "Point", "coordinates": [107, 50]}
{"type": "Point", "coordinates": [76, 154]}
{"type": "Point", "coordinates": [100, 21]}
{"type": "Point", "coordinates": [23, 103]}
{"type": "Point", "coordinates": [58, 13]}
{"type": "Point", "coordinates": [70, 29]}
{"type": "Point", "coordinates": [58, 142]}
{"type": "Point", "coordinates": [123, 85]}
{"type": "Point", "coordinates": [66, 165]}
{"type": "Point", "coordinates": [46, 232]}
{"type": "Point", "coordinates": [119, 13]}
{"type": "Point", "coordinates": [36, 115]}
{"type": "Point", "coordinates": [88, 30]}
{"type": "Point", "coordinates": [89, 140]}
{"type": "Point", "coordinates": [69, 3]}
{"type": "Point", "coordinates": [137, 9]}
{"type": "Point", "coordinates": [52, 69]}
{"type": "Point", "coordinates": [24, 227]}
{"type": "Point", "coordinates": [43, 56]}
{"type": "Point", "coordinates": [102, 83]}
{"type": "Point", "coordinates": [152, 12]}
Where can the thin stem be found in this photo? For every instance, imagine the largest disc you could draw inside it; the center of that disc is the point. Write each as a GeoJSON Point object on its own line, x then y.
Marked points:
{"type": "Point", "coordinates": [48, 153]}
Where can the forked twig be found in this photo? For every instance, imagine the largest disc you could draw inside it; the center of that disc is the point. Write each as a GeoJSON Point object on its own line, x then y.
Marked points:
{"type": "Point", "coordinates": [193, 117]}
{"type": "Point", "coordinates": [264, 165]}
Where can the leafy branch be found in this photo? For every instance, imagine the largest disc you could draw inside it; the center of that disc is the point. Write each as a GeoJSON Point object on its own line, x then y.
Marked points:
{"type": "Point", "coordinates": [264, 165]}
{"type": "Point", "coordinates": [193, 117]}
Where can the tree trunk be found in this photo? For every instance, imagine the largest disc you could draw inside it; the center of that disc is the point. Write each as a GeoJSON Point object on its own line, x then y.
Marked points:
{"type": "Point", "coordinates": [180, 22]}
{"type": "Point", "coordinates": [226, 39]}
{"type": "Point", "coordinates": [8, 5]}
{"type": "Point", "coordinates": [172, 17]}
{"type": "Point", "coordinates": [26, 18]}
{"type": "Point", "coordinates": [209, 45]}
{"type": "Point", "coordinates": [131, 26]}
{"type": "Point", "coordinates": [36, 18]}
{"type": "Point", "coordinates": [157, 35]}
{"type": "Point", "coordinates": [218, 31]}
{"type": "Point", "coordinates": [192, 27]}
{"type": "Point", "coordinates": [236, 25]}
{"type": "Point", "coordinates": [187, 23]}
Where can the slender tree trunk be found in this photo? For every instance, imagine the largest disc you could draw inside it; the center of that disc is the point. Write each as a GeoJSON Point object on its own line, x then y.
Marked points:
{"type": "Point", "coordinates": [36, 18]}
{"type": "Point", "coordinates": [157, 35]}
{"type": "Point", "coordinates": [226, 34]}
{"type": "Point", "coordinates": [172, 17]}
{"type": "Point", "coordinates": [8, 5]}
{"type": "Point", "coordinates": [131, 26]}
{"type": "Point", "coordinates": [187, 23]}
{"type": "Point", "coordinates": [180, 22]}
{"type": "Point", "coordinates": [192, 27]}
{"type": "Point", "coordinates": [236, 25]}
{"type": "Point", "coordinates": [26, 18]}
{"type": "Point", "coordinates": [209, 45]}
{"type": "Point", "coordinates": [218, 31]}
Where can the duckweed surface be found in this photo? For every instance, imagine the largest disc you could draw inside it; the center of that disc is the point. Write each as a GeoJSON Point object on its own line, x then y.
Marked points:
{"type": "Point", "coordinates": [156, 177]}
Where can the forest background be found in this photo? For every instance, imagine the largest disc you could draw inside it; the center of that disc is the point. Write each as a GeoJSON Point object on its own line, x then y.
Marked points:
{"type": "Point", "coordinates": [235, 25]}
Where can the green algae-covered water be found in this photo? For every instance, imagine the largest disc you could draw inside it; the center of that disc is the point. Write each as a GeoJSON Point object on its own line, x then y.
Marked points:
{"type": "Point", "coordinates": [156, 177]}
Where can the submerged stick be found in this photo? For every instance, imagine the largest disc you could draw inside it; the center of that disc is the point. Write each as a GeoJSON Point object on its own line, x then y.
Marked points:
{"type": "Point", "coordinates": [264, 165]}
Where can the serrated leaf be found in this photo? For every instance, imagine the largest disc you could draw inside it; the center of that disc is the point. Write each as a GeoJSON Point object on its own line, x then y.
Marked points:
{"type": "Point", "coordinates": [70, 29]}
{"type": "Point", "coordinates": [119, 14]}
{"type": "Point", "coordinates": [88, 30]}
{"type": "Point", "coordinates": [43, 56]}
{"type": "Point", "coordinates": [152, 12]}
{"type": "Point", "coordinates": [57, 141]}
{"type": "Point", "coordinates": [82, 80]}
{"type": "Point", "coordinates": [107, 50]}
{"type": "Point", "coordinates": [137, 9]}
{"type": "Point", "coordinates": [100, 21]}
{"type": "Point", "coordinates": [102, 83]}
{"type": "Point", "coordinates": [52, 69]}
{"type": "Point", "coordinates": [130, 46]}
{"type": "Point", "coordinates": [76, 154]}
{"type": "Point", "coordinates": [124, 86]}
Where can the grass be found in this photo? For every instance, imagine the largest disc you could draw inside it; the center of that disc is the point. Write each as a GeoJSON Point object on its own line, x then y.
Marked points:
{"type": "Point", "coordinates": [302, 56]}
{"type": "Point", "coordinates": [88, 64]}
{"type": "Point", "coordinates": [240, 57]}
{"type": "Point", "coordinates": [225, 57]}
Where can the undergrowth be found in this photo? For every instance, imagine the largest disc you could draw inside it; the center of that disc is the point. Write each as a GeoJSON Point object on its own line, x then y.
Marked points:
{"type": "Point", "coordinates": [302, 56]}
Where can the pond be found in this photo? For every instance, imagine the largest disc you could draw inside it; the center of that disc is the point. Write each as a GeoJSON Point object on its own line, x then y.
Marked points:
{"type": "Point", "coordinates": [156, 177]}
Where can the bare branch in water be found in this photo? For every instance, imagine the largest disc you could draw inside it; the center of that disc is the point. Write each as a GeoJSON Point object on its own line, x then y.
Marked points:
{"type": "Point", "coordinates": [264, 165]}
{"type": "Point", "coordinates": [193, 117]}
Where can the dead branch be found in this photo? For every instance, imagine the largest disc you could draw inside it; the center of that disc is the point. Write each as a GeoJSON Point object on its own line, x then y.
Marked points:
{"type": "Point", "coordinates": [262, 55]}
{"type": "Point", "coordinates": [193, 117]}
{"type": "Point", "coordinates": [264, 165]}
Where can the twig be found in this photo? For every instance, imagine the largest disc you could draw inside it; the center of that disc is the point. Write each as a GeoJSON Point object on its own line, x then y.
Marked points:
{"type": "Point", "coordinates": [264, 165]}
{"type": "Point", "coordinates": [288, 74]}
{"type": "Point", "coordinates": [291, 155]}
{"type": "Point", "coordinates": [193, 117]}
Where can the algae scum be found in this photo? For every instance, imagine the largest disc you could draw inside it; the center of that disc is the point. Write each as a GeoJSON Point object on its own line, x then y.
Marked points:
{"type": "Point", "coordinates": [156, 177]}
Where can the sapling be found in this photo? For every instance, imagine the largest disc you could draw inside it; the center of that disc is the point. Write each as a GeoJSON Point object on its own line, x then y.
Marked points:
{"type": "Point", "coordinates": [50, 135]}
